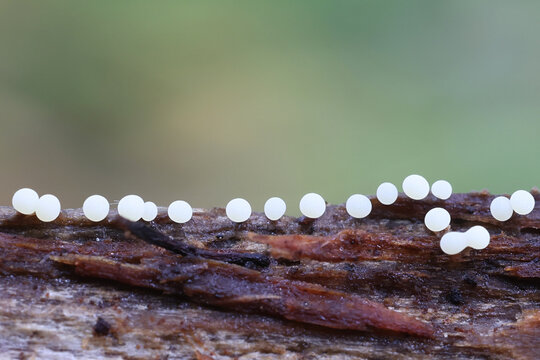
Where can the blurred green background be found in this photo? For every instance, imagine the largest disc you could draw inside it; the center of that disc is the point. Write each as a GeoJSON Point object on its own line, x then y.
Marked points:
{"type": "Point", "coordinates": [209, 100]}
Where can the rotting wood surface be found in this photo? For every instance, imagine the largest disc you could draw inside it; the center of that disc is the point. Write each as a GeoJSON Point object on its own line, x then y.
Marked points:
{"type": "Point", "coordinates": [331, 288]}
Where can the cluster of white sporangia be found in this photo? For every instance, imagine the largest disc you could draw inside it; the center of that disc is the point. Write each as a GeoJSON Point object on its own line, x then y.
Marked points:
{"type": "Point", "coordinates": [134, 208]}
{"type": "Point", "coordinates": [521, 202]}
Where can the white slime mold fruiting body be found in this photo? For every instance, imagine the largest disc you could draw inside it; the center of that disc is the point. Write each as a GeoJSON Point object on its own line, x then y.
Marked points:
{"type": "Point", "coordinates": [387, 193]}
{"type": "Point", "coordinates": [48, 208]}
{"type": "Point", "coordinates": [312, 205]}
{"type": "Point", "coordinates": [238, 210]}
{"type": "Point", "coordinates": [477, 237]}
{"type": "Point", "coordinates": [437, 219]}
{"type": "Point", "coordinates": [150, 211]}
{"type": "Point", "coordinates": [131, 207]}
{"type": "Point", "coordinates": [453, 242]}
{"type": "Point", "coordinates": [358, 206]}
{"type": "Point", "coordinates": [522, 202]}
{"type": "Point", "coordinates": [441, 189]}
{"type": "Point", "coordinates": [501, 208]}
{"type": "Point", "coordinates": [416, 187]}
{"type": "Point", "coordinates": [25, 201]}
{"type": "Point", "coordinates": [274, 208]}
{"type": "Point", "coordinates": [96, 208]}
{"type": "Point", "coordinates": [180, 211]}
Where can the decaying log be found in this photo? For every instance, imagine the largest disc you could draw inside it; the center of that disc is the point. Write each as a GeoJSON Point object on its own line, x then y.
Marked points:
{"type": "Point", "coordinates": [331, 288]}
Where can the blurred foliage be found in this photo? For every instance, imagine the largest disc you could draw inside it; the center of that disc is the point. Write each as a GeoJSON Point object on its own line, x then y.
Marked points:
{"type": "Point", "coordinates": [210, 100]}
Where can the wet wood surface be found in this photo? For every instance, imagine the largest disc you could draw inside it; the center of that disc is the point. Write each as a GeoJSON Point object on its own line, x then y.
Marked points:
{"type": "Point", "coordinates": [331, 288]}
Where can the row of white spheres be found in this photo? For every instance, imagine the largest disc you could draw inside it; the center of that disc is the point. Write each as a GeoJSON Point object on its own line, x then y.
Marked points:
{"type": "Point", "coordinates": [313, 205]}
{"type": "Point", "coordinates": [521, 202]}
{"type": "Point", "coordinates": [415, 187]}
{"type": "Point", "coordinates": [132, 207]}
{"type": "Point", "coordinates": [95, 208]}
{"type": "Point", "coordinates": [438, 219]}
{"type": "Point", "coordinates": [27, 201]}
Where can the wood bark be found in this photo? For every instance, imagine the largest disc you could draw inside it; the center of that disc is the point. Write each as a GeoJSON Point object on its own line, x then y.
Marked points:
{"type": "Point", "coordinates": [330, 288]}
